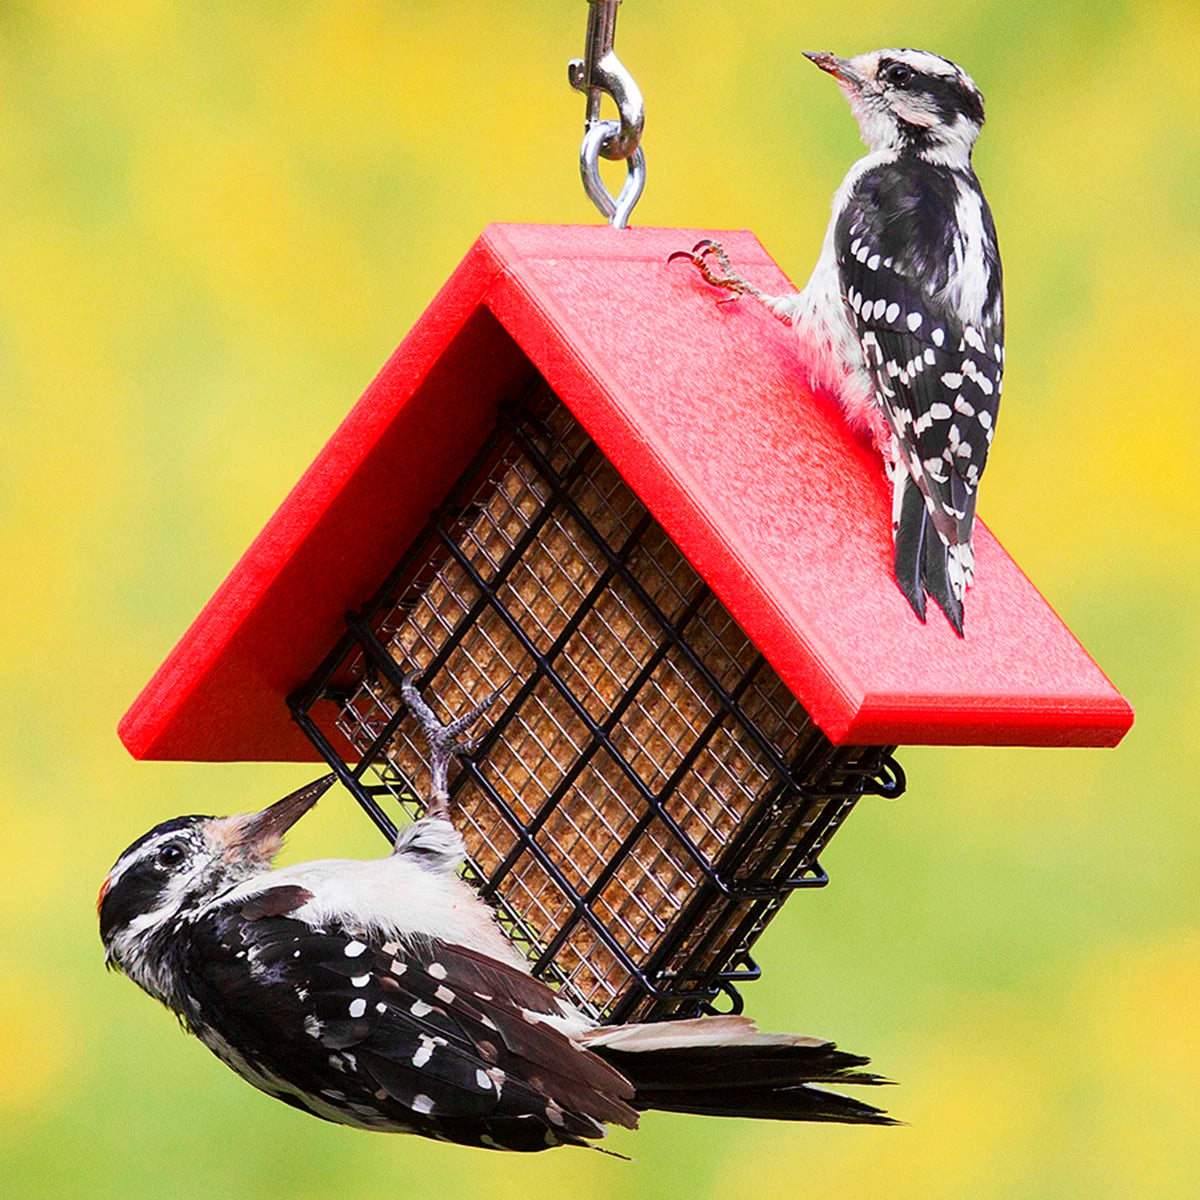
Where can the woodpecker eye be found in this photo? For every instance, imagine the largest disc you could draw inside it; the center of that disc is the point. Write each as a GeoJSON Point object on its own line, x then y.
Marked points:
{"type": "Point", "coordinates": [898, 74]}
{"type": "Point", "coordinates": [170, 855]}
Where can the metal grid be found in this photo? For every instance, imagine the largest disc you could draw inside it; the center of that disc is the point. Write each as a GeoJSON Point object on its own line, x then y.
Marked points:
{"type": "Point", "coordinates": [649, 792]}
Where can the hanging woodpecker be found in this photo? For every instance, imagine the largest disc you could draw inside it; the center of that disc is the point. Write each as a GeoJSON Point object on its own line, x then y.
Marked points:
{"type": "Point", "coordinates": [383, 994]}
{"type": "Point", "coordinates": [902, 321]}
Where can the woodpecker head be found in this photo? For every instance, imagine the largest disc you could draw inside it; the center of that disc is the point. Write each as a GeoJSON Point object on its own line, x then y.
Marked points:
{"type": "Point", "coordinates": [180, 867]}
{"type": "Point", "coordinates": [910, 99]}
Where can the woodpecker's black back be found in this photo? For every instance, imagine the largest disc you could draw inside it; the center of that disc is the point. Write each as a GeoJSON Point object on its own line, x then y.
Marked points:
{"type": "Point", "coordinates": [372, 1035]}
{"type": "Point", "coordinates": [916, 249]}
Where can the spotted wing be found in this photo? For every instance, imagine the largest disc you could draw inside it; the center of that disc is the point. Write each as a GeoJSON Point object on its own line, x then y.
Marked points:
{"type": "Point", "coordinates": [438, 1041]}
{"type": "Point", "coordinates": [902, 255]}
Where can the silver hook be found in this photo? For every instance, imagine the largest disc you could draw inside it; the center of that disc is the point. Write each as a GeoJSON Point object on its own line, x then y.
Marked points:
{"type": "Point", "coordinates": [598, 74]}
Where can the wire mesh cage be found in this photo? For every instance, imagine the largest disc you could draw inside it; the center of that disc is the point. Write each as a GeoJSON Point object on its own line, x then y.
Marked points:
{"type": "Point", "coordinates": [648, 791]}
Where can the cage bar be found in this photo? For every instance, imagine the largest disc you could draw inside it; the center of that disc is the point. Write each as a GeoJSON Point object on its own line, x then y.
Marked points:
{"type": "Point", "coordinates": [649, 791]}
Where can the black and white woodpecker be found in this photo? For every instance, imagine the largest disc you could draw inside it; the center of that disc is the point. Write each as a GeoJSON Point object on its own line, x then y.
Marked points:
{"type": "Point", "coordinates": [383, 995]}
{"type": "Point", "coordinates": [902, 321]}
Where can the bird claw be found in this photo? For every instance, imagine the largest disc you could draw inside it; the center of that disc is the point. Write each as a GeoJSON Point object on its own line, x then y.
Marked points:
{"type": "Point", "coordinates": [446, 741]}
{"type": "Point", "coordinates": [726, 277]}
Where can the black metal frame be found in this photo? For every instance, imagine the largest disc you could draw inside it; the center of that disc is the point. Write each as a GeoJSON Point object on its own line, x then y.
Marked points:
{"type": "Point", "coordinates": [742, 889]}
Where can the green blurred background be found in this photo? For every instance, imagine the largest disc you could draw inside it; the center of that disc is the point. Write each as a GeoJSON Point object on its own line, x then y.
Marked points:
{"type": "Point", "coordinates": [216, 222]}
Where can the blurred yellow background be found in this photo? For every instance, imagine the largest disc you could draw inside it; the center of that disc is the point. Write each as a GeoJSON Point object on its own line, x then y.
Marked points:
{"type": "Point", "coordinates": [216, 222]}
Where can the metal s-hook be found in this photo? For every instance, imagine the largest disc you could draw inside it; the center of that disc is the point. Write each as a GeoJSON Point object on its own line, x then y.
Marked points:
{"type": "Point", "coordinates": [598, 74]}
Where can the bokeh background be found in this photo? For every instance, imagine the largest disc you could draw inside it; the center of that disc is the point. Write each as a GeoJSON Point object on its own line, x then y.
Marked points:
{"type": "Point", "coordinates": [216, 222]}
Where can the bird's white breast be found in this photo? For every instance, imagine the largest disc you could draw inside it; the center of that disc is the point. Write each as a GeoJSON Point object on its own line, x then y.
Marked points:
{"type": "Point", "coordinates": [393, 898]}
{"type": "Point", "coordinates": [830, 353]}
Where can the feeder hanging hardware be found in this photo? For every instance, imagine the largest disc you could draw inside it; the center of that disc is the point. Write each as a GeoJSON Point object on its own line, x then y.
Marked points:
{"type": "Point", "coordinates": [600, 73]}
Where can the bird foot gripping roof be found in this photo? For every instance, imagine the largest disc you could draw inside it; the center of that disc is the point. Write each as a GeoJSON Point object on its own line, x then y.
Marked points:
{"type": "Point", "coordinates": [650, 792]}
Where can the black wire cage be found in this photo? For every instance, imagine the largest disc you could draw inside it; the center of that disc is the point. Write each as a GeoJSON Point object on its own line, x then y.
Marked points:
{"type": "Point", "coordinates": [647, 792]}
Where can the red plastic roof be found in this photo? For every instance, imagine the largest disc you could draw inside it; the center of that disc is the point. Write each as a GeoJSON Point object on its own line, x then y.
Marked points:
{"type": "Point", "coordinates": [779, 508]}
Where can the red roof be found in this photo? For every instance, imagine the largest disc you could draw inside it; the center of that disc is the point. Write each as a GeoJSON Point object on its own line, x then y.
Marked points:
{"type": "Point", "coordinates": [783, 512]}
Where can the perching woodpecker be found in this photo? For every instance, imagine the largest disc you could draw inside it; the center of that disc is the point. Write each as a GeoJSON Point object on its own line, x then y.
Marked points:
{"type": "Point", "coordinates": [383, 994]}
{"type": "Point", "coordinates": [902, 320]}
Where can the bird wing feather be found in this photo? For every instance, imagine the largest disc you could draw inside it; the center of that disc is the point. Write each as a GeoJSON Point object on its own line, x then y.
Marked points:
{"type": "Point", "coordinates": [427, 1036]}
{"type": "Point", "coordinates": [938, 381]}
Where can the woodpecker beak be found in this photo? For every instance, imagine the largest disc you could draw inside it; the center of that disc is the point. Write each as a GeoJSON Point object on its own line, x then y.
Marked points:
{"type": "Point", "coordinates": [261, 834]}
{"type": "Point", "coordinates": [839, 68]}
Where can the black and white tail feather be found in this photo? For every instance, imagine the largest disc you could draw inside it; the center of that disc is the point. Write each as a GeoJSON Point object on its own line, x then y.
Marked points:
{"type": "Point", "coordinates": [383, 995]}
{"type": "Point", "coordinates": [902, 320]}
{"type": "Point", "coordinates": [726, 1067]}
